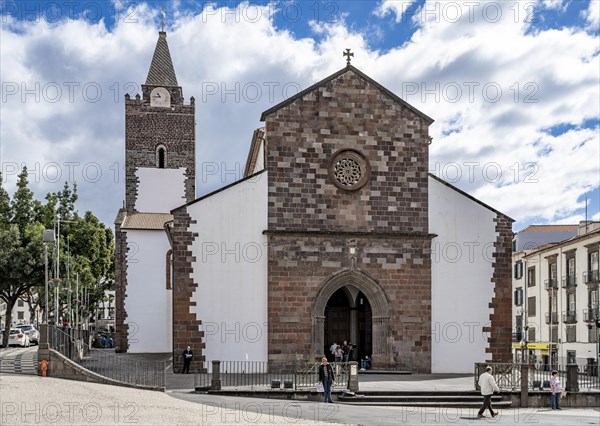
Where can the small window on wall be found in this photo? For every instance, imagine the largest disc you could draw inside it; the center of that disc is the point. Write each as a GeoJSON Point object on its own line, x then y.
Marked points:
{"type": "Point", "coordinates": [531, 276]}
{"type": "Point", "coordinates": [518, 270]}
{"type": "Point", "coordinates": [161, 157]}
{"type": "Point", "coordinates": [20, 315]}
{"type": "Point", "coordinates": [20, 303]}
{"type": "Point", "coordinates": [531, 306]}
{"type": "Point", "coordinates": [571, 334]}
{"type": "Point", "coordinates": [531, 334]}
{"type": "Point", "coordinates": [519, 297]}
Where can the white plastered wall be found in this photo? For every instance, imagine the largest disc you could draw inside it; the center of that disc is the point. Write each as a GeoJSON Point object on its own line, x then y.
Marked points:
{"type": "Point", "coordinates": [231, 271]}
{"type": "Point", "coordinates": [461, 272]}
{"type": "Point", "coordinates": [148, 303]}
{"type": "Point", "coordinates": [159, 190]}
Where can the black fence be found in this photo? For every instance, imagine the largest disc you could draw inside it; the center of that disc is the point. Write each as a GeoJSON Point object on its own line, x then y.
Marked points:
{"type": "Point", "coordinates": [104, 362]}
{"type": "Point", "coordinates": [269, 375]}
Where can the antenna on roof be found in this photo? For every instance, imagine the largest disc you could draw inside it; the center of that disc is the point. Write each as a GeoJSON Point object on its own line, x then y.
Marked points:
{"type": "Point", "coordinates": [586, 215]}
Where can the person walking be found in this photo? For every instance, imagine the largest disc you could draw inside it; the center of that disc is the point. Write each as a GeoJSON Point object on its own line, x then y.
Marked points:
{"type": "Point", "coordinates": [327, 378]}
{"type": "Point", "coordinates": [187, 360]}
{"type": "Point", "coordinates": [488, 386]}
{"type": "Point", "coordinates": [555, 390]}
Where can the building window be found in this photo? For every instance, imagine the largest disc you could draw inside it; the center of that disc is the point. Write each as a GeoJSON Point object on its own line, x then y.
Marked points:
{"type": "Point", "coordinates": [161, 157]}
{"type": "Point", "coordinates": [349, 170]}
{"type": "Point", "coordinates": [20, 303]}
{"type": "Point", "coordinates": [531, 276]}
{"type": "Point", "coordinates": [554, 334]}
{"type": "Point", "coordinates": [519, 297]}
{"type": "Point", "coordinates": [518, 270]}
{"type": "Point", "coordinates": [20, 315]}
{"type": "Point", "coordinates": [531, 334]}
{"type": "Point", "coordinates": [592, 334]}
{"type": "Point", "coordinates": [531, 306]}
{"type": "Point", "coordinates": [571, 334]}
{"type": "Point", "coordinates": [592, 272]}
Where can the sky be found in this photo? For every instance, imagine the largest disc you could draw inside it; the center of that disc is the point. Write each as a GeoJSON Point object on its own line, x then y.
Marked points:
{"type": "Point", "coordinates": [513, 86]}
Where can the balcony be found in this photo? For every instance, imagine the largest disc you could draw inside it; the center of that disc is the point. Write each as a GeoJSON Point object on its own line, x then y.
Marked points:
{"type": "Point", "coordinates": [552, 283]}
{"type": "Point", "coordinates": [553, 316]}
{"type": "Point", "coordinates": [590, 314]}
{"type": "Point", "coordinates": [569, 281]}
{"type": "Point", "coordinates": [591, 277]}
{"type": "Point", "coordinates": [569, 317]}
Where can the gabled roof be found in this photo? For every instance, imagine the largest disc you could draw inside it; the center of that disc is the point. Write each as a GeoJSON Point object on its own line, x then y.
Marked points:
{"type": "Point", "coordinates": [551, 228]}
{"type": "Point", "coordinates": [442, 181]}
{"type": "Point", "coordinates": [335, 75]}
{"type": "Point", "coordinates": [161, 71]}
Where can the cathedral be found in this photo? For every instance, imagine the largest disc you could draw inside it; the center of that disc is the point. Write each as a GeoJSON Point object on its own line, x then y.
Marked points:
{"type": "Point", "coordinates": [336, 232]}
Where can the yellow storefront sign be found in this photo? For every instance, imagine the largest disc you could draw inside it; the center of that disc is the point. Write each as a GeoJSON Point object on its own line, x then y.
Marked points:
{"type": "Point", "coordinates": [533, 346]}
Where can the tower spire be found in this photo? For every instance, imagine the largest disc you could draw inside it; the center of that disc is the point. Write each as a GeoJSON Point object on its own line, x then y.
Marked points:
{"type": "Point", "coordinates": [161, 71]}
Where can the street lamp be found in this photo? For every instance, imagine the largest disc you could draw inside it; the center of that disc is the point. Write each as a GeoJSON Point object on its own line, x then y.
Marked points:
{"type": "Point", "coordinates": [47, 237]}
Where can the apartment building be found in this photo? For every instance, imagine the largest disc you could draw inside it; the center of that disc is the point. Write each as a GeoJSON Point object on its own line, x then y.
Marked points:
{"type": "Point", "coordinates": [555, 303]}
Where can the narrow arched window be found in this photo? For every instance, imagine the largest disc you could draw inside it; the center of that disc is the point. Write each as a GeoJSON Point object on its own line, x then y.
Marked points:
{"type": "Point", "coordinates": [161, 157]}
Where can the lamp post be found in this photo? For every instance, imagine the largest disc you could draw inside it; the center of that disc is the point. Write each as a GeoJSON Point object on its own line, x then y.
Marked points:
{"type": "Point", "coordinates": [47, 237]}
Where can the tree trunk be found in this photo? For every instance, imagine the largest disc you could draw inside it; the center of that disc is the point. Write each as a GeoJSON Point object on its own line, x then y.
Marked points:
{"type": "Point", "coordinates": [10, 303]}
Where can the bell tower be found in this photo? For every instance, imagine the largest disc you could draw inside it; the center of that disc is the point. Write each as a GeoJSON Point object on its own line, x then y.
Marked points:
{"type": "Point", "coordinates": [160, 173]}
{"type": "Point", "coordinates": [159, 140]}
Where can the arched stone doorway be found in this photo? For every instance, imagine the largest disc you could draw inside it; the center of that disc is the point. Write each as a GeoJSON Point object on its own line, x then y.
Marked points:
{"type": "Point", "coordinates": [368, 324]}
{"type": "Point", "coordinates": [348, 316]}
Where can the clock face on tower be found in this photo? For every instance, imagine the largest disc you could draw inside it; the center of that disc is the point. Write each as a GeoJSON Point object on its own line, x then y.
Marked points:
{"type": "Point", "coordinates": [160, 97]}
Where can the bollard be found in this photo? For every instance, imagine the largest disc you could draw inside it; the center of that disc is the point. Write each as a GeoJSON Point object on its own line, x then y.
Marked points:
{"type": "Point", "coordinates": [215, 383]}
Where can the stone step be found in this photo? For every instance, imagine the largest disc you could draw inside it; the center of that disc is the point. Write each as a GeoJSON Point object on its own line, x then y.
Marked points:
{"type": "Point", "coordinates": [413, 398]}
{"type": "Point", "coordinates": [449, 404]}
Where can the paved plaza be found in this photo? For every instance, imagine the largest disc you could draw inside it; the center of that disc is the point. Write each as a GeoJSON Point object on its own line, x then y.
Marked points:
{"type": "Point", "coordinates": [26, 399]}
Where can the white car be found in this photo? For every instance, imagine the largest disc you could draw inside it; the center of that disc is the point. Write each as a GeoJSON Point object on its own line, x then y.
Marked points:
{"type": "Point", "coordinates": [18, 337]}
{"type": "Point", "coordinates": [34, 335]}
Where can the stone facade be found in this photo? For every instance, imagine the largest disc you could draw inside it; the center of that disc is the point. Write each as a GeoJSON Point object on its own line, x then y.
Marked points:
{"type": "Point", "coordinates": [186, 327]}
{"type": "Point", "coordinates": [393, 271]}
{"type": "Point", "coordinates": [311, 220]}
{"type": "Point", "coordinates": [146, 128]}
{"type": "Point", "coordinates": [500, 341]}
{"type": "Point", "coordinates": [122, 328]}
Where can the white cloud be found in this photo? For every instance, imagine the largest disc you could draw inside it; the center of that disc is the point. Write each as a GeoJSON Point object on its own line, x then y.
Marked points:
{"type": "Point", "coordinates": [555, 4]}
{"type": "Point", "coordinates": [398, 8]}
{"type": "Point", "coordinates": [546, 79]}
{"type": "Point", "coordinates": [592, 14]}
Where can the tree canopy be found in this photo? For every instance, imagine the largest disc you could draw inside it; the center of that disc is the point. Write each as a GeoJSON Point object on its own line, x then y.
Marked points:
{"type": "Point", "coordinates": [84, 248]}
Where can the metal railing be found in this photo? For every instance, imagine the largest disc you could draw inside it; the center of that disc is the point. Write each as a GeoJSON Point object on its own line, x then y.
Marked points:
{"type": "Point", "coordinates": [552, 316]}
{"type": "Point", "coordinates": [569, 316]}
{"type": "Point", "coordinates": [569, 281]}
{"type": "Point", "coordinates": [105, 362]}
{"type": "Point", "coordinates": [508, 376]}
{"type": "Point", "coordinates": [551, 283]}
{"type": "Point", "coordinates": [590, 314]}
{"type": "Point", "coordinates": [271, 375]}
{"type": "Point", "coordinates": [591, 276]}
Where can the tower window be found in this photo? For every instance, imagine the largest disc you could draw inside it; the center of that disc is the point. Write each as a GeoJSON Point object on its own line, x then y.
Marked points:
{"type": "Point", "coordinates": [161, 157]}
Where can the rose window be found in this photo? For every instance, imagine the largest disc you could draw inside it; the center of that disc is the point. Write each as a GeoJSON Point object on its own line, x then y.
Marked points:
{"type": "Point", "coordinates": [349, 170]}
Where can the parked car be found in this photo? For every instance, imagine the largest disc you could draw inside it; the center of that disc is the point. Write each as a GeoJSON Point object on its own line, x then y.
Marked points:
{"type": "Point", "coordinates": [32, 332]}
{"type": "Point", "coordinates": [18, 337]}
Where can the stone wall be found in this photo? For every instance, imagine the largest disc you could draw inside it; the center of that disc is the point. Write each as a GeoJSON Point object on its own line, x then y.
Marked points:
{"type": "Point", "coordinates": [312, 218]}
{"type": "Point", "coordinates": [186, 328]}
{"type": "Point", "coordinates": [148, 127]}
{"type": "Point", "coordinates": [500, 341]}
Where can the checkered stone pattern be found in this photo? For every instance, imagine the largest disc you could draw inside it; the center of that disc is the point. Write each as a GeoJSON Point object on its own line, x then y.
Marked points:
{"type": "Point", "coordinates": [148, 127]}
{"type": "Point", "coordinates": [121, 327]}
{"type": "Point", "coordinates": [300, 264]}
{"type": "Point", "coordinates": [500, 340]}
{"type": "Point", "coordinates": [186, 327]}
{"type": "Point", "coordinates": [348, 112]}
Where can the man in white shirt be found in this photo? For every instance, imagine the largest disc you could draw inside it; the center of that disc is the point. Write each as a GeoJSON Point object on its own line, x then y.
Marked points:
{"type": "Point", "coordinates": [488, 387]}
